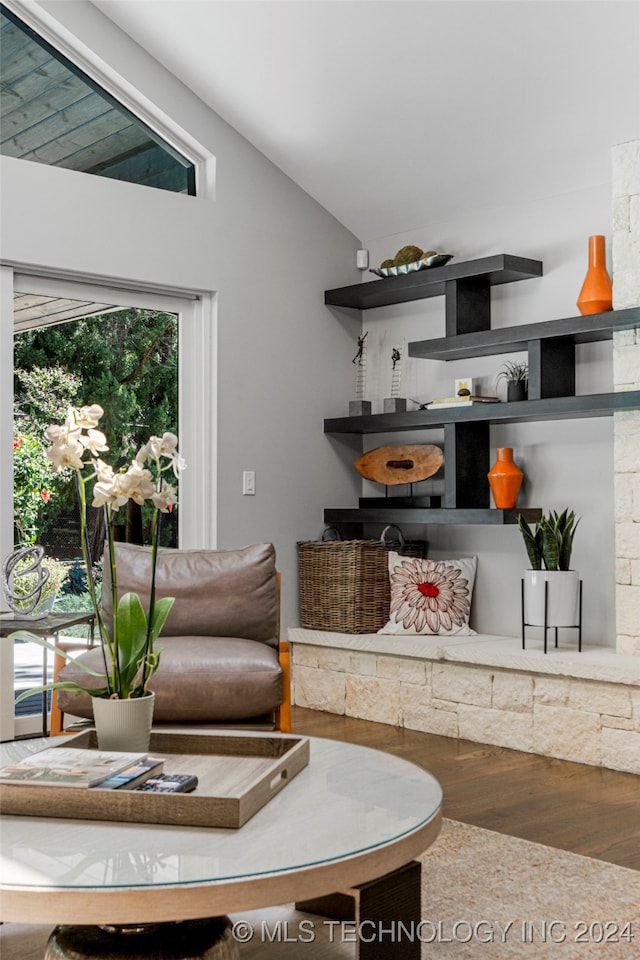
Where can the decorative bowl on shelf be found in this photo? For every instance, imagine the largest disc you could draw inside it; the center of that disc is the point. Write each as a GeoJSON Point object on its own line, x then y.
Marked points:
{"type": "Point", "coordinates": [435, 260]}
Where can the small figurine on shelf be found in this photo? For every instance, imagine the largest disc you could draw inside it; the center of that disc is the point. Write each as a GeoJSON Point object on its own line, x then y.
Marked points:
{"type": "Point", "coordinates": [463, 387]}
{"type": "Point", "coordinates": [394, 403]}
{"type": "Point", "coordinates": [360, 407]}
{"type": "Point", "coordinates": [359, 357]}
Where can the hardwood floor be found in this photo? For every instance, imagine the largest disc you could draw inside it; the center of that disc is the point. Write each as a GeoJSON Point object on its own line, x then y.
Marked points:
{"type": "Point", "coordinates": [571, 806]}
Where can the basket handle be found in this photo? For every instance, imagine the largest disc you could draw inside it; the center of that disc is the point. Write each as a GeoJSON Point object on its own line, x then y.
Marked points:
{"type": "Point", "coordinates": [392, 526]}
{"type": "Point", "coordinates": [334, 530]}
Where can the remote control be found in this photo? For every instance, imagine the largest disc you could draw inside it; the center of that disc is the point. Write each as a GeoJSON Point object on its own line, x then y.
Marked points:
{"type": "Point", "coordinates": [169, 783]}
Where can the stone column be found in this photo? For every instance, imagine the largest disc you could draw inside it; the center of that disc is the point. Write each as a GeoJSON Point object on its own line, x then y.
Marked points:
{"type": "Point", "coordinates": [626, 376]}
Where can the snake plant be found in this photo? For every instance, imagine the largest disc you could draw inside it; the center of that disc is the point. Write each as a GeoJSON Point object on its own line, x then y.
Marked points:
{"type": "Point", "coordinates": [551, 541]}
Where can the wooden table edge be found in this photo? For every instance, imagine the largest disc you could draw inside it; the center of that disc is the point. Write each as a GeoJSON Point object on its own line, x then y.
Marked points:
{"type": "Point", "coordinates": [205, 899]}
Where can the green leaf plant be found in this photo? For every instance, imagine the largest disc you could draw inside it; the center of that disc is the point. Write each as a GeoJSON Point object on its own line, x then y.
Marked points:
{"type": "Point", "coordinates": [513, 372]}
{"type": "Point", "coordinates": [129, 654]}
{"type": "Point", "coordinates": [551, 541]}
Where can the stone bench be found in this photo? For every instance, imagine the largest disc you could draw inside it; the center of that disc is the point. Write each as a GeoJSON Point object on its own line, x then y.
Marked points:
{"type": "Point", "coordinates": [575, 706]}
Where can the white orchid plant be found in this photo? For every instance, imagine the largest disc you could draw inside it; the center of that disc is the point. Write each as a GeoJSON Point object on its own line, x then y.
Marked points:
{"type": "Point", "coordinates": [130, 658]}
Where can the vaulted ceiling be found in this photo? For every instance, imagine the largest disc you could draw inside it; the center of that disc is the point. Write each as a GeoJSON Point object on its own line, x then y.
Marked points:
{"type": "Point", "coordinates": [395, 114]}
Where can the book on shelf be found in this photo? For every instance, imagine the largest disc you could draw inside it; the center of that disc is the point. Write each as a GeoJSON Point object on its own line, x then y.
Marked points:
{"type": "Point", "coordinates": [68, 767]}
{"type": "Point", "coordinates": [442, 402]}
{"type": "Point", "coordinates": [134, 775]}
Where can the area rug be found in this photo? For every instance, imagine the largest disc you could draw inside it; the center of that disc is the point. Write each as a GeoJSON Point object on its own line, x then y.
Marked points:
{"type": "Point", "coordinates": [500, 898]}
{"type": "Point", "coordinates": [486, 896]}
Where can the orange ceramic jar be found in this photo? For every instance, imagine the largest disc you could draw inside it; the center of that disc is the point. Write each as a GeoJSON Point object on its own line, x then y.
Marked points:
{"type": "Point", "coordinates": [505, 479]}
{"type": "Point", "coordinates": [596, 295]}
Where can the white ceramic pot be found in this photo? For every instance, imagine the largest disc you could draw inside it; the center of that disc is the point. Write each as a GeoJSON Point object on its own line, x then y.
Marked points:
{"type": "Point", "coordinates": [124, 724]}
{"type": "Point", "coordinates": [563, 595]}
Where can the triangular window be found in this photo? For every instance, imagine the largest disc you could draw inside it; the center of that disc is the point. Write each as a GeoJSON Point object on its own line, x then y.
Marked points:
{"type": "Point", "coordinates": [53, 113]}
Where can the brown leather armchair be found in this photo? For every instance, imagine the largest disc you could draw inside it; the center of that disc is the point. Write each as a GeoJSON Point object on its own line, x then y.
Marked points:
{"type": "Point", "coordinates": [221, 661]}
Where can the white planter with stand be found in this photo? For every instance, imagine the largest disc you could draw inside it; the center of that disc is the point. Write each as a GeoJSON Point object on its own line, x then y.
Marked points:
{"type": "Point", "coordinates": [552, 598]}
{"type": "Point", "coordinates": [563, 593]}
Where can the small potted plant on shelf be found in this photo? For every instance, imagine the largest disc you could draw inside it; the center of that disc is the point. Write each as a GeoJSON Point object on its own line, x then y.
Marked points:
{"type": "Point", "coordinates": [516, 376]}
{"type": "Point", "coordinates": [549, 547]}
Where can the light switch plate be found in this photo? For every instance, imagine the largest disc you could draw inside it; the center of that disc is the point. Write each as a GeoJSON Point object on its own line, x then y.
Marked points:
{"type": "Point", "coordinates": [248, 483]}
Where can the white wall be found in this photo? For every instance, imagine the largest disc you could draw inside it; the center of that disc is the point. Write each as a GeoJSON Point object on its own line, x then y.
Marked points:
{"type": "Point", "coordinates": [264, 247]}
{"type": "Point", "coordinates": [566, 463]}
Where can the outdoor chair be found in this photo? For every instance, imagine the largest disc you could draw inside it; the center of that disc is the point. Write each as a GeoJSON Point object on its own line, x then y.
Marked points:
{"type": "Point", "coordinates": [221, 660]}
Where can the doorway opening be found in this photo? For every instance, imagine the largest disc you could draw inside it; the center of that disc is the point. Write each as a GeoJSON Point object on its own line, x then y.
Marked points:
{"type": "Point", "coordinates": [50, 302]}
{"type": "Point", "coordinates": [71, 353]}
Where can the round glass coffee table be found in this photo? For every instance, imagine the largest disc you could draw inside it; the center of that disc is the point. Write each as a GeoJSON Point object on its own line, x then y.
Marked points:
{"type": "Point", "coordinates": [353, 819]}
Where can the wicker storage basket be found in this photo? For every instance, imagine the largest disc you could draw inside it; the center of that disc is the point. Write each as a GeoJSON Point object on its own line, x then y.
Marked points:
{"type": "Point", "coordinates": [406, 548]}
{"type": "Point", "coordinates": [344, 584]}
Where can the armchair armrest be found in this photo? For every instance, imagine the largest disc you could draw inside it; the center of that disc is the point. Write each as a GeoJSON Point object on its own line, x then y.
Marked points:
{"type": "Point", "coordinates": [283, 713]}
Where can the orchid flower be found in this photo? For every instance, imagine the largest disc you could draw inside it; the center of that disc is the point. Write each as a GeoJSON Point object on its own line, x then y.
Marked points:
{"type": "Point", "coordinates": [128, 644]}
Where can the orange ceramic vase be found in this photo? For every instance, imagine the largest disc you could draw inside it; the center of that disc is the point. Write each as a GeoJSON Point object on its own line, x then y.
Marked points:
{"type": "Point", "coordinates": [505, 479]}
{"type": "Point", "coordinates": [596, 293]}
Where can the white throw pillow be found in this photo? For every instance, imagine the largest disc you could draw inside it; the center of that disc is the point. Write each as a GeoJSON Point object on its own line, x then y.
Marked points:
{"type": "Point", "coordinates": [430, 596]}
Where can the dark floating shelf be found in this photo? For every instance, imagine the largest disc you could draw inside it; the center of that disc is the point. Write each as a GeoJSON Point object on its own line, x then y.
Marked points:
{"type": "Point", "coordinates": [582, 329]}
{"type": "Point", "coordinates": [404, 515]}
{"type": "Point", "coordinates": [432, 282]}
{"type": "Point", "coordinates": [550, 347]}
{"type": "Point", "coordinates": [393, 502]}
{"type": "Point", "coordinates": [550, 408]}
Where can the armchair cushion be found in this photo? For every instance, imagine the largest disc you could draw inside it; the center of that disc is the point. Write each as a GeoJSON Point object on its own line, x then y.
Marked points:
{"type": "Point", "coordinates": [218, 593]}
{"type": "Point", "coordinates": [217, 680]}
{"type": "Point", "coordinates": [219, 646]}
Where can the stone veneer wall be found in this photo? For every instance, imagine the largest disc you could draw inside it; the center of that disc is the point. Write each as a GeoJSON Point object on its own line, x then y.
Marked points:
{"type": "Point", "coordinates": [626, 376]}
{"type": "Point", "coordinates": [580, 707]}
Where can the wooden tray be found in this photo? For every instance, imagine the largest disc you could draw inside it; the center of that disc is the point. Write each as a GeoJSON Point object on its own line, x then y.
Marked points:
{"type": "Point", "coordinates": [237, 775]}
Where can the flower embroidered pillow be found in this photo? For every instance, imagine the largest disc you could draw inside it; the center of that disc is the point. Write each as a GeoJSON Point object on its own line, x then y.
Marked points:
{"type": "Point", "coordinates": [430, 596]}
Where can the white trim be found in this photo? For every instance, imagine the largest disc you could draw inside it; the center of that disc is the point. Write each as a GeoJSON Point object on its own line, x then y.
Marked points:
{"type": "Point", "coordinates": [128, 288]}
{"type": "Point", "coordinates": [102, 291]}
{"type": "Point", "coordinates": [51, 30]}
{"type": "Point", "coordinates": [197, 353]}
{"type": "Point", "coordinates": [6, 488]}
{"type": "Point", "coordinates": [47, 278]}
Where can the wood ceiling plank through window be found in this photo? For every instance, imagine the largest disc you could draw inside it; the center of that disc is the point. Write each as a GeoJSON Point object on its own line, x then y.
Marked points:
{"type": "Point", "coordinates": [52, 113]}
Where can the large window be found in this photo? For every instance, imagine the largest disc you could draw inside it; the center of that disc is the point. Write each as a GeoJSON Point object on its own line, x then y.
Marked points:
{"type": "Point", "coordinates": [53, 113]}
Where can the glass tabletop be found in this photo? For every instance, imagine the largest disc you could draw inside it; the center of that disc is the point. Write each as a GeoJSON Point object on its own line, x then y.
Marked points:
{"type": "Point", "coordinates": [348, 800]}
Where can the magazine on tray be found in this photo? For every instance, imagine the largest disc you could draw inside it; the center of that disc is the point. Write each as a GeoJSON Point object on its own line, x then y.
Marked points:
{"type": "Point", "coordinates": [68, 767]}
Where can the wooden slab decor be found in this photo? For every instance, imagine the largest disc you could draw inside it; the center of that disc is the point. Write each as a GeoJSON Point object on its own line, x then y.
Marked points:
{"type": "Point", "coordinates": [400, 464]}
{"type": "Point", "coordinates": [237, 775]}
